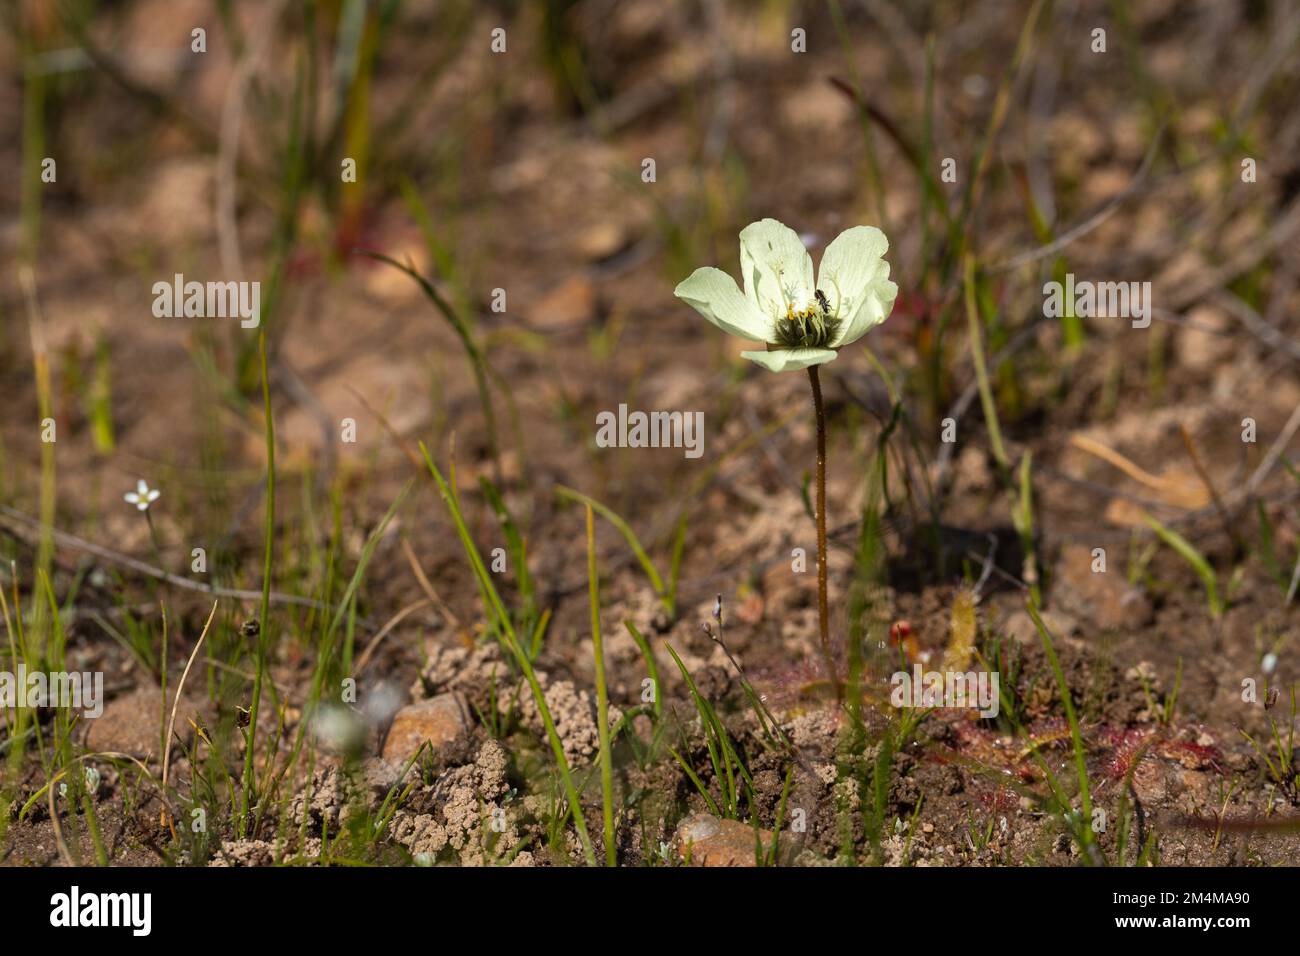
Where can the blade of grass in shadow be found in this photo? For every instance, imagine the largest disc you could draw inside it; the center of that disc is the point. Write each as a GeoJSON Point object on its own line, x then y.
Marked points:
{"type": "Point", "coordinates": [1193, 557]}
{"type": "Point", "coordinates": [1087, 839]}
{"type": "Point", "coordinates": [770, 856]}
{"type": "Point", "coordinates": [478, 364]}
{"type": "Point", "coordinates": [602, 697]}
{"type": "Point", "coordinates": [649, 659]}
{"type": "Point", "coordinates": [675, 565]}
{"type": "Point", "coordinates": [699, 784]}
{"type": "Point", "coordinates": [527, 621]}
{"type": "Point", "coordinates": [727, 765]}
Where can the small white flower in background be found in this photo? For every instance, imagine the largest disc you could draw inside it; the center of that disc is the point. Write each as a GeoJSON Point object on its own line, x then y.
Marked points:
{"type": "Point", "coordinates": [337, 729]}
{"type": "Point", "coordinates": [381, 702]}
{"type": "Point", "coordinates": [802, 323]}
{"type": "Point", "coordinates": [143, 496]}
{"type": "Point", "coordinates": [1269, 663]}
{"type": "Point", "coordinates": [92, 779]}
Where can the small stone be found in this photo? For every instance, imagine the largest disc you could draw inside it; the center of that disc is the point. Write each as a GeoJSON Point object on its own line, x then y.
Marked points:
{"type": "Point", "coordinates": [572, 303]}
{"type": "Point", "coordinates": [817, 107]}
{"type": "Point", "coordinates": [441, 721]}
{"type": "Point", "coordinates": [1021, 627]}
{"type": "Point", "coordinates": [132, 724]}
{"type": "Point", "coordinates": [711, 841]}
{"type": "Point", "coordinates": [602, 241]}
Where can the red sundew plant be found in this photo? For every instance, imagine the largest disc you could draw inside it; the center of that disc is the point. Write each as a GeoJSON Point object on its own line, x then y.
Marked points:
{"type": "Point", "coordinates": [799, 685]}
{"type": "Point", "coordinates": [1128, 748]}
{"type": "Point", "coordinates": [998, 799]}
{"type": "Point", "coordinates": [1131, 747]}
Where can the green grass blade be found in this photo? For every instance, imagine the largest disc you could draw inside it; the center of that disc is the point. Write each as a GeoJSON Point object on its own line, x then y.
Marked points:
{"type": "Point", "coordinates": [511, 642]}
{"type": "Point", "coordinates": [1089, 848]}
{"type": "Point", "coordinates": [629, 535]}
{"type": "Point", "coordinates": [602, 697]}
{"type": "Point", "coordinates": [1193, 557]}
{"type": "Point", "coordinates": [650, 666]}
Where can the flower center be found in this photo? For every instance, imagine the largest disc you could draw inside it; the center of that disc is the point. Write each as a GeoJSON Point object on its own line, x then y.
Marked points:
{"type": "Point", "coordinates": [808, 323]}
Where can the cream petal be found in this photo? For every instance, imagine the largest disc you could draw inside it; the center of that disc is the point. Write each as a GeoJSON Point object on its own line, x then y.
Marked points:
{"type": "Point", "coordinates": [786, 360]}
{"type": "Point", "coordinates": [775, 267]}
{"type": "Point", "coordinates": [713, 294]}
{"type": "Point", "coordinates": [854, 277]}
{"type": "Point", "coordinates": [875, 308]}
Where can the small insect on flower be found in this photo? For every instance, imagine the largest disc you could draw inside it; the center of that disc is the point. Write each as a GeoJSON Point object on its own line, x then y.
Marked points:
{"type": "Point", "coordinates": [143, 496]}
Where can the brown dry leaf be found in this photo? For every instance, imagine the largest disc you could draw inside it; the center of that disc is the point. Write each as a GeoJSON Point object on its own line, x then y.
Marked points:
{"type": "Point", "coordinates": [1175, 485]}
{"type": "Point", "coordinates": [1179, 487]}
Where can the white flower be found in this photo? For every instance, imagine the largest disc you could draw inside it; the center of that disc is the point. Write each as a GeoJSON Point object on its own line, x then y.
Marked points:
{"type": "Point", "coordinates": [143, 496]}
{"type": "Point", "coordinates": [802, 323]}
{"type": "Point", "coordinates": [337, 729]}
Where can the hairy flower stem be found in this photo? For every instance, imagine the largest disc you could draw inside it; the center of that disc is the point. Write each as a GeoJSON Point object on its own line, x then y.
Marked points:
{"type": "Point", "coordinates": [823, 614]}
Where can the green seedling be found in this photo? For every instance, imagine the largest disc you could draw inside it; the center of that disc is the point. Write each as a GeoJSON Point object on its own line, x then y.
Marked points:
{"type": "Point", "coordinates": [1187, 551]}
